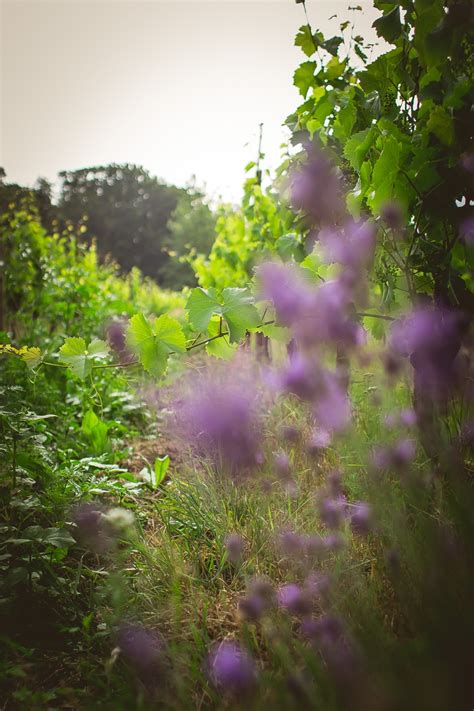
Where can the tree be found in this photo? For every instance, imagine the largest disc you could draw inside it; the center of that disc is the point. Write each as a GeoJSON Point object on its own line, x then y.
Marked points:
{"type": "Point", "coordinates": [127, 212]}
{"type": "Point", "coordinates": [192, 228]}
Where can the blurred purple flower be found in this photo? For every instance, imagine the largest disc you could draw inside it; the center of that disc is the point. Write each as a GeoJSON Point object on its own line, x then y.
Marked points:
{"type": "Point", "coordinates": [319, 440]}
{"type": "Point", "coordinates": [143, 650]}
{"type": "Point", "coordinates": [301, 377]}
{"type": "Point", "coordinates": [252, 607]}
{"type": "Point", "coordinates": [283, 285]}
{"type": "Point", "coordinates": [231, 669]}
{"type": "Point", "coordinates": [352, 247]}
{"type": "Point", "coordinates": [293, 599]}
{"type": "Point", "coordinates": [281, 463]}
{"type": "Point", "coordinates": [90, 530]}
{"type": "Point", "coordinates": [234, 545]}
{"type": "Point", "coordinates": [361, 518]}
{"type": "Point", "coordinates": [466, 231]}
{"type": "Point", "coordinates": [392, 215]}
{"type": "Point", "coordinates": [467, 162]}
{"type": "Point", "coordinates": [408, 417]}
{"type": "Point", "coordinates": [291, 543]}
{"type": "Point", "coordinates": [315, 187]}
{"type": "Point", "coordinates": [332, 408]}
{"type": "Point", "coordinates": [317, 585]}
{"type": "Point", "coordinates": [332, 511]}
{"type": "Point", "coordinates": [220, 420]}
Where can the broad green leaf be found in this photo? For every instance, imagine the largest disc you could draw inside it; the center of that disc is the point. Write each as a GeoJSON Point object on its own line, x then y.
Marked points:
{"type": "Point", "coordinates": [440, 123]}
{"type": "Point", "coordinates": [239, 312]}
{"type": "Point", "coordinates": [332, 45]}
{"type": "Point", "coordinates": [74, 354]}
{"type": "Point", "coordinates": [303, 77]}
{"type": "Point", "coordinates": [98, 348]}
{"type": "Point", "coordinates": [335, 68]}
{"type": "Point", "coordinates": [96, 431]}
{"type": "Point", "coordinates": [358, 146]}
{"type": "Point", "coordinates": [80, 357]}
{"type": "Point", "coordinates": [153, 342]}
{"type": "Point", "coordinates": [389, 25]}
{"type": "Point", "coordinates": [32, 357]}
{"type": "Point", "coordinates": [304, 39]}
{"type": "Point", "coordinates": [387, 164]}
{"type": "Point", "coordinates": [160, 468]}
{"type": "Point", "coordinates": [220, 347]}
{"type": "Point", "coordinates": [345, 121]}
{"type": "Point", "coordinates": [276, 333]}
{"type": "Point", "coordinates": [200, 307]}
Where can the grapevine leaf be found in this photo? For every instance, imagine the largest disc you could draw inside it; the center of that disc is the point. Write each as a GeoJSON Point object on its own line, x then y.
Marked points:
{"type": "Point", "coordinates": [389, 26]}
{"type": "Point", "coordinates": [153, 342]}
{"type": "Point", "coordinates": [358, 146]}
{"type": "Point", "coordinates": [440, 123]}
{"type": "Point", "coordinates": [32, 357]}
{"type": "Point", "coordinates": [276, 333]}
{"type": "Point", "coordinates": [239, 312]}
{"type": "Point", "coordinates": [220, 347]}
{"type": "Point", "coordinates": [74, 354]}
{"type": "Point", "coordinates": [200, 307]}
{"type": "Point", "coordinates": [304, 39]}
{"type": "Point", "coordinates": [98, 348]}
{"type": "Point", "coordinates": [303, 77]}
{"type": "Point", "coordinates": [79, 357]}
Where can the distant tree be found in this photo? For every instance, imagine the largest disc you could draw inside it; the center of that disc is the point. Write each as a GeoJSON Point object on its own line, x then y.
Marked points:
{"type": "Point", "coordinates": [127, 212]}
{"type": "Point", "coordinates": [192, 231]}
{"type": "Point", "coordinates": [39, 197]}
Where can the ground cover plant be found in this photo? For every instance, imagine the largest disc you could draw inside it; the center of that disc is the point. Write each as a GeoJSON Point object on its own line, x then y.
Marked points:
{"type": "Point", "coordinates": [258, 492]}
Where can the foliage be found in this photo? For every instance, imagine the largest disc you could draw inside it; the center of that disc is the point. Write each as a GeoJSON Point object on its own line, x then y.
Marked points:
{"type": "Point", "coordinates": [311, 508]}
{"type": "Point", "coordinates": [399, 127]}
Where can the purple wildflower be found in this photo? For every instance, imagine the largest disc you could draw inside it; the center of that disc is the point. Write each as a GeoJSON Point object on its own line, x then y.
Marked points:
{"type": "Point", "coordinates": [392, 215]}
{"type": "Point", "coordinates": [293, 599]}
{"type": "Point", "coordinates": [332, 511]}
{"type": "Point", "coordinates": [143, 650]}
{"type": "Point", "coordinates": [316, 187]}
{"type": "Point", "coordinates": [231, 669]}
{"type": "Point", "coordinates": [361, 518]}
{"type": "Point", "coordinates": [221, 421]}
{"type": "Point", "coordinates": [234, 545]}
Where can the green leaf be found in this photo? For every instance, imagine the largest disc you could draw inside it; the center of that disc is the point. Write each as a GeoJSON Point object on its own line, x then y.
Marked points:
{"type": "Point", "coordinates": [153, 342]}
{"type": "Point", "coordinates": [73, 354]}
{"type": "Point", "coordinates": [358, 146]}
{"type": "Point", "coordinates": [96, 431]}
{"type": "Point", "coordinates": [304, 39]}
{"type": "Point", "coordinates": [220, 347]}
{"type": "Point", "coordinates": [79, 357]}
{"type": "Point", "coordinates": [98, 349]}
{"type": "Point", "coordinates": [160, 468]}
{"type": "Point", "coordinates": [389, 25]}
{"type": "Point", "coordinates": [384, 175]}
{"type": "Point", "coordinates": [440, 123]}
{"type": "Point", "coordinates": [32, 357]}
{"type": "Point", "coordinates": [276, 333]}
{"type": "Point", "coordinates": [239, 311]}
{"type": "Point", "coordinates": [303, 77]}
{"type": "Point", "coordinates": [335, 68]}
{"type": "Point", "coordinates": [332, 45]}
{"type": "Point", "coordinates": [345, 121]}
{"type": "Point", "coordinates": [201, 305]}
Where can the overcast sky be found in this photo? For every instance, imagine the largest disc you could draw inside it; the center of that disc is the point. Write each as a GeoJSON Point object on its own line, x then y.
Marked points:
{"type": "Point", "coordinates": [179, 87]}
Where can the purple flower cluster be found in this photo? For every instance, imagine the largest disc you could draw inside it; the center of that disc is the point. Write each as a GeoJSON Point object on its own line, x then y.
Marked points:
{"type": "Point", "coordinates": [231, 669]}
{"type": "Point", "coordinates": [143, 650]}
{"type": "Point", "coordinates": [316, 188]}
{"type": "Point", "coordinates": [220, 419]}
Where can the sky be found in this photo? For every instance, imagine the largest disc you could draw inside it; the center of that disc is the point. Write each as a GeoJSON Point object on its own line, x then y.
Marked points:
{"type": "Point", "coordinates": [177, 86]}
